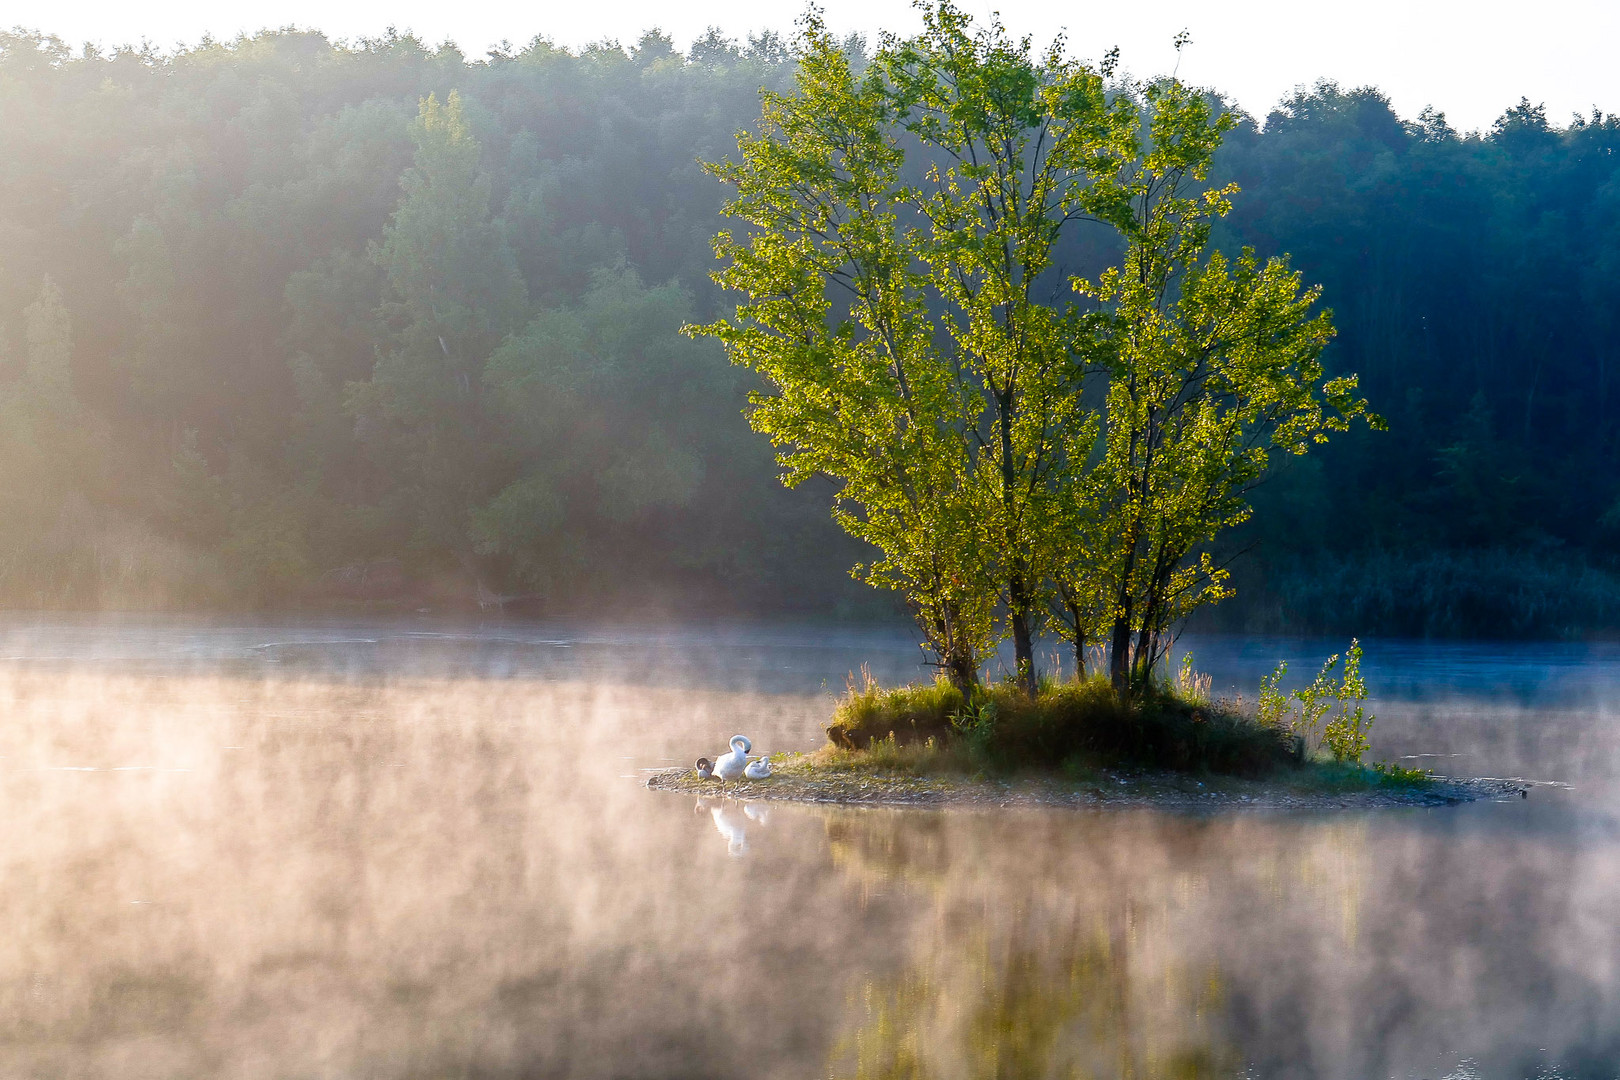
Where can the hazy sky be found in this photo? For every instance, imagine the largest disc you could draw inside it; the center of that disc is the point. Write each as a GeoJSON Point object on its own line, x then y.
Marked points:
{"type": "Point", "coordinates": [1469, 59]}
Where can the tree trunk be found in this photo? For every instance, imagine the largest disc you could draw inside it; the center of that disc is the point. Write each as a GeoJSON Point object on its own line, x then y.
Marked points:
{"type": "Point", "coordinates": [1142, 661]}
{"type": "Point", "coordinates": [1146, 643]}
{"type": "Point", "coordinates": [963, 673]}
{"type": "Point", "coordinates": [1024, 651]}
{"type": "Point", "coordinates": [956, 660]}
{"type": "Point", "coordinates": [1079, 645]}
{"type": "Point", "coordinates": [1119, 658]}
{"type": "Point", "coordinates": [1148, 638]}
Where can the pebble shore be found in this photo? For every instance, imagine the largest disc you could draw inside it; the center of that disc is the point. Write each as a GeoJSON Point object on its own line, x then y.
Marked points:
{"type": "Point", "coordinates": [1105, 790]}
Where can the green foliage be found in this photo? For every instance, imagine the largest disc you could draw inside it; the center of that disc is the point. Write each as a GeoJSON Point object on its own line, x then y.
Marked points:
{"type": "Point", "coordinates": [888, 756]}
{"type": "Point", "coordinates": [912, 359]}
{"type": "Point", "coordinates": [1214, 365]}
{"type": "Point", "coordinates": [1192, 686]}
{"type": "Point", "coordinates": [1400, 776]}
{"type": "Point", "coordinates": [1326, 776]}
{"type": "Point", "coordinates": [1272, 709]}
{"type": "Point", "coordinates": [201, 508]}
{"type": "Point", "coordinates": [50, 351]}
{"type": "Point", "coordinates": [911, 713]}
{"type": "Point", "coordinates": [1070, 725]}
{"type": "Point", "coordinates": [314, 276]}
{"type": "Point", "coordinates": [232, 252]}
{"type": "Point", "coordinates": [596, 406]}
{"type": "Point", "coordinates": [1314, 700]}
{"type": "Point", "coordinates": [895, 321]}
{"type": "Point", "coordinates": [1345, 733]}
{"type": "Point", "coordinates": [452, 291]}
{"type": "Point", "coordinates": [975, 723]}
{"type": "Point", "coordinates": [1329, 709]}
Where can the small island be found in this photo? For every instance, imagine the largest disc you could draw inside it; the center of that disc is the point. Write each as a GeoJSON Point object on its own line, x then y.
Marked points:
{"type": "Point", "coordinates": [812, 778]}
{"type": "Point", "coordinates": [1077, 744]}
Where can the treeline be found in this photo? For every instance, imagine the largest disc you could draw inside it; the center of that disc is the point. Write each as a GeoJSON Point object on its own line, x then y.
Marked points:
{"type": "Point", "coordinates": [1475, 282]}
{"type": "Point", "coordinates": [284, 321]}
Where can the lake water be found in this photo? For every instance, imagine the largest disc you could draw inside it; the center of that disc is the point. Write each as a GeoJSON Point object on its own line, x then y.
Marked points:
{"type": "Point", "coordinates": [415, 850]}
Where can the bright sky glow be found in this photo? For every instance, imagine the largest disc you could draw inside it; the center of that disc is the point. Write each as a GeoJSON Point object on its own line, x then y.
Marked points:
{"type": "Point", "coordinates": [1472, 60]}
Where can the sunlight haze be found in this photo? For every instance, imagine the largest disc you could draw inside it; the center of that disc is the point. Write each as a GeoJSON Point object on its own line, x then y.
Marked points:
{"type": "Point", "coordinates": [1470, 61]}
{"type": "Point", "coordinates": [628, 540]}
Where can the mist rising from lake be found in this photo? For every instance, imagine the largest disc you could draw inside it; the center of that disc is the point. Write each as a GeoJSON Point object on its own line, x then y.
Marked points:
{"type": "Point", "coordinates": [407, 851]}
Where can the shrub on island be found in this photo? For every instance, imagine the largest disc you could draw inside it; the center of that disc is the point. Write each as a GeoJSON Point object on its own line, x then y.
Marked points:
{"type": "Point", "coordinates": [1085, 724]}
{"type": "Point", "coordinates": [1065, 725]}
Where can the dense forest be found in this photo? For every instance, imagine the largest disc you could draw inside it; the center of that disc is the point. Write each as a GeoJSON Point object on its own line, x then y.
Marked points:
{"type": "Point", "coordinates": [285, 322]}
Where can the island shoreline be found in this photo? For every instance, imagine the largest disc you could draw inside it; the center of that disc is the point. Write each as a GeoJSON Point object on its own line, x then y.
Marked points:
{"type": "Point", "coordinates": [1109, 790]}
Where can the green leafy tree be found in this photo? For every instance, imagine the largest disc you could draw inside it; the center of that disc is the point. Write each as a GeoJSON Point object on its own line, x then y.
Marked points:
{"type": "Point", "coordinates": [1214, 365]}
{"type": "Point", "coordinates": [601, 403]}
{"type": "Point", "coordinates": [896, 307]}
{"type": "Point", "coordinates": [903, 224]}
{"type": "Point", "coordinates": [453, 292]}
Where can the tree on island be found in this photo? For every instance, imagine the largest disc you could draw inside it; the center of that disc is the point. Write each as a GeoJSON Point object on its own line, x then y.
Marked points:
{"type": "Point", "coordinates": [1213, 363]}
{"type": "Point", "coordinates": [1013, 438]}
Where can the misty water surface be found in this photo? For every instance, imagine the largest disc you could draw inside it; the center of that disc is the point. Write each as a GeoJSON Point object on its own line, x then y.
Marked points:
{"type": "Point", "coordinates": [413, 851]}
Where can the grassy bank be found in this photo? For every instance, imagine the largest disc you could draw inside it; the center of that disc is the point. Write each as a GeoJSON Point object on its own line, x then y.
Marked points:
{"type": "Point", "coordinates": [927, 774]}
{"type": "Point", "coordinates": [1077, 731]}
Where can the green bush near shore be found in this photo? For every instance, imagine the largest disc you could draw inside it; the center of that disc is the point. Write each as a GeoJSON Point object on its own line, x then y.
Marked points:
{"type": "Point", "coordinates": [1074, 728]}
{"type": "Point", "coordinates": [1067, 726]}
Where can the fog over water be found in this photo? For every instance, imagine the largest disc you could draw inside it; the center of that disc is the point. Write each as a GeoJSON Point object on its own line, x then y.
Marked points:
{"type": "Point", "coordinates": [416, 850]}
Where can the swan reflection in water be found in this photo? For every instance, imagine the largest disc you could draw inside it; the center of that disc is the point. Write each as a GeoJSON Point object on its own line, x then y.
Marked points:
{"type": "Point", "coordinates": [732, 821]}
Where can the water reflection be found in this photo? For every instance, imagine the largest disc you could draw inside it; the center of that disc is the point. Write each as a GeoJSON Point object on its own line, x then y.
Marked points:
{"type": "Point", "coordinates": [1152, 946]}
{"type": "Point", "coordinates": [731, 820]}
{"type": "Point", "coordinates": [209, 870]}
{"type": "Point", "coordinates": [1049, 950]}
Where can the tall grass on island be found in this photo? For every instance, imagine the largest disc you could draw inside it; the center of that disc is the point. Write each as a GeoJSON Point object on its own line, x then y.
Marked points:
{"type": "Point", "coordinates": [1075, 727]}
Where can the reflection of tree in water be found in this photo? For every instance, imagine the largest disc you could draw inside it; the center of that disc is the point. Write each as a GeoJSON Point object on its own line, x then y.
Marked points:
{"type": "Point", "coordinates": [1066, 1007]}
{"type": "Point", "coordinates": [1049, 951]}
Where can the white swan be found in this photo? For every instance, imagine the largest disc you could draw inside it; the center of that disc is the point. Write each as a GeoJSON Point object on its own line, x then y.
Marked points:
{"type": "Point", "coordinates": [731, 766]}
{"type": "Point", "coordinates": [758, 769]}
{"type": "Point", "coordinates": [704, 769]}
